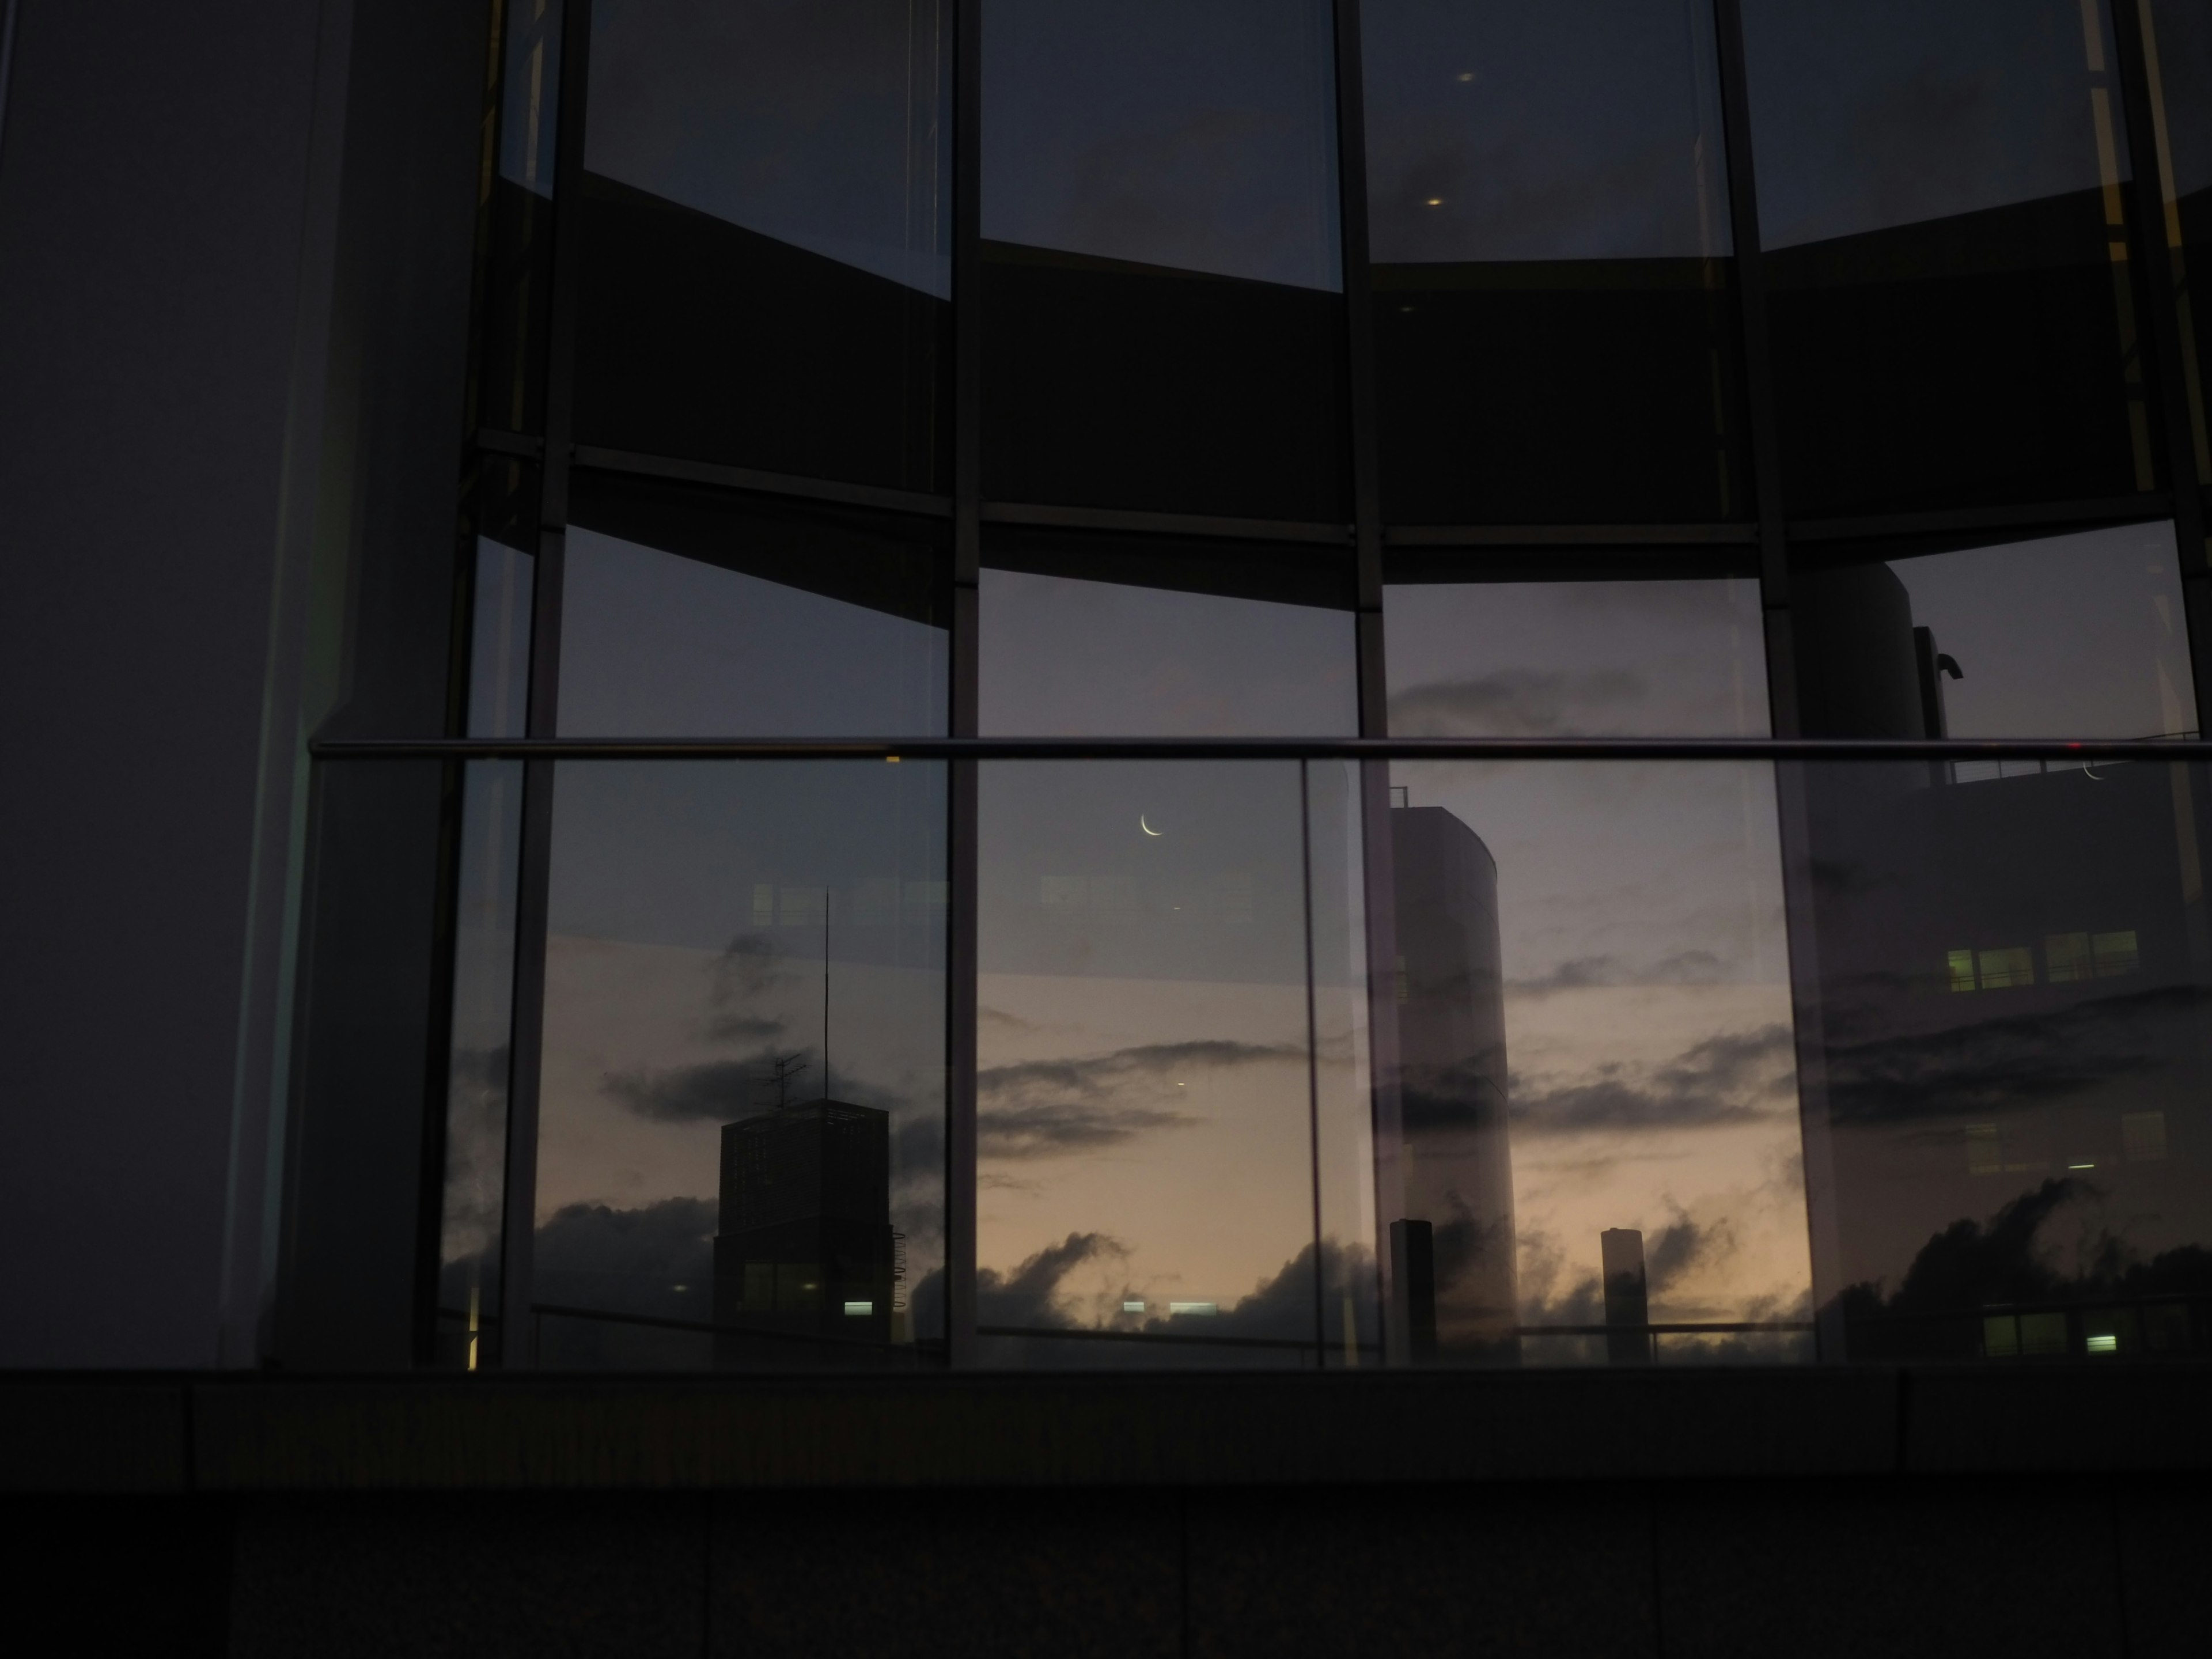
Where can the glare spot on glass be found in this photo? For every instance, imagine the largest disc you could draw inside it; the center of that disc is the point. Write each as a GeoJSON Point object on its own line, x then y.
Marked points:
{"type": "Point", "coordinates": [1133, 1307]}
{"type": "Point", "coordinates": [1203, 1308]}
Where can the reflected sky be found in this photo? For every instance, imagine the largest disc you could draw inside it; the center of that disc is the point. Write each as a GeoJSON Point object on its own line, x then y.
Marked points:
{"type": "Point", "coordinates": [818, 122]}
{"type": "Point", "coordinates": [1196, 134]}
{"type": "Point", "coordinates": [1867, 113]}
{"type": "Point", "coordinates": [657, 645]}
{"type": "Point", "coordinates": [1647, 1003]}
{"type": "Point", "coordinates": [1067, 657]}
{"type": "Point", "coordinates": [1147, 1109]}
{"type": "Point", "coordinates": [1582, 130]}
{"type": "Point", "coordinates": [2077, 636]}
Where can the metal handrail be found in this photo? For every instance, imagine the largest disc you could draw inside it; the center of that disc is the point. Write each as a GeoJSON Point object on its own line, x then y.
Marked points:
{"type": "Point", "coordinates": [1356, 749]}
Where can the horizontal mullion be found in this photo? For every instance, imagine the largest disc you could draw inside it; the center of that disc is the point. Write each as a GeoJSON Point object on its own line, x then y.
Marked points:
{"type": "Point", "coordinates": [2152, 504]}
{"type": "Point", "coordinates": [679, 471]}
{"type": "Point", "coordinates": [1362, 748]}
{"type": "Point", "coordinates": [1197, 524]}
{"type": "Point", "coordinates": [1570, 535]}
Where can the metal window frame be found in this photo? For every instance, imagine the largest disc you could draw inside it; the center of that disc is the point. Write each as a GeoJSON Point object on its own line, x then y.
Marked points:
{"type": "Point", "coordinates": [1627, 550]}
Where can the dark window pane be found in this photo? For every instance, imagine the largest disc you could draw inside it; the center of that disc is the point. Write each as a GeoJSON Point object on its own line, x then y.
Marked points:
{"type": "Point", "coordinates": [2076, 636]}
{"type": "Point", "coordinates": [766, 267]}
{"type": "Point", "coordinates": [684, 615]}
{"type": "Point", "coordinates": [2010, 1026]}
{"type": "Point", "coordinates": [1173, 1149]}
{"type": "Point", "coordinates": [1954, 322]}
{"type": "Point", "coordinates": [2178, 47]}
{"type": "Point", "coordinates": [741, 1149]}
{"type": "Point", "coordinates": [518, 212]}
{"type": "Point", "coordinates": [1548, 219]}
{"type": "Point", "coordinates": [1162, 285]}
{"type": "Point", "coordinates": [1092, 637]}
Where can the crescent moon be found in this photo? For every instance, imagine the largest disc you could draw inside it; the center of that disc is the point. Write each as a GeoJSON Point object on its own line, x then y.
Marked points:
{"type": "Point", "coordinates": [1147, 828]}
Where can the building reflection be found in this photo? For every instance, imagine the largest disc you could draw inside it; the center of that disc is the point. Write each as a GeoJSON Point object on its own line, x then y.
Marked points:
{"type": "Point", "coordinates": [1452, 1274]}
{"type": "Point", "coordinates": [2008, 1021]}
{"type": "Point", "coordinates": [805, 1248]}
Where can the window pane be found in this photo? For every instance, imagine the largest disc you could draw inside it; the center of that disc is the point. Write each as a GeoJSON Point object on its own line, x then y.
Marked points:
{"type": "Point", "coordinates": [2075, 636]}
{"type": "Point", "coordinates": [1098, 654]}
{"type": "Point", "coordinates": [1953, 320]}
{"type": "Point", "coordinates": [1162, 277]}
{"type": "Point", "coordinates": [2008, 1027]}
{"type": "Point", "coordinates": [516, 219]}
{"type": "Point", "coordinates": [741, 1131]}
{"type": "Point", "coordinates": [1588, 658]}
{"type": "Point", "coordinates": [682, 616]}
{"type": "Point", "coordinates": [1548, 217]}
{"type": "Point", "coordinates": [2178, 42]}
{"type": "Point", "coordinates": [767, 264]}
{"type": "Point", "coordinates": [1596, 1118]}
{"type": "Point", "coordinates": [1152, 1090]}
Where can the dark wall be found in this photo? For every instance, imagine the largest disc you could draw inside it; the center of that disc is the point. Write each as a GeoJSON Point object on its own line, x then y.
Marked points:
{"type": "Point", "coordinates": [198, 420]}
{"type": "Point", "coordinates": [2098, 1568]}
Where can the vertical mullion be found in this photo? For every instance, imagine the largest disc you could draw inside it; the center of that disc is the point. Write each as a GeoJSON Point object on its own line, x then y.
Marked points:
{"type": "Point", "coordinates": [1377, 867]}
{"type": "Point", "coordinates": [1758, 373]}
{"type": "Point", "coordinates": [534, 873]}
{"type": "Point", "coordinates": [1359, 360]}
{"type": "Point", "coordinates": [961, 840]}
{"type": "Point", "coordinates": [2156, 257]}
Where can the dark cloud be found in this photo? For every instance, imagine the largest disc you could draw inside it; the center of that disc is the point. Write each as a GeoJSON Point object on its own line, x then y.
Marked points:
{"type": "Point", "coordinates": [1043, 1108]}
{"type": "Point", "coordinates": [595, 1256]}
{"type": "Point", "coordinates": [1028, 1297]}
{"type": "Point", "coordinates": [1973, 1265]}
{"type": "Point", "coordinates": [1672, 1252]}
{"type": "Point", "coordinates": [748, 970]}
{"type": "Point", "coordinates": [719, 1092]}
{"type": "Point", "coordinates": [1731, 1078]}
{"type": "Point", "coordinates": [1993, 1066]}
{"type": "Point", "coordinates": [1517, 702]}
{"type": "Point", "coordinates": [1588, 973]}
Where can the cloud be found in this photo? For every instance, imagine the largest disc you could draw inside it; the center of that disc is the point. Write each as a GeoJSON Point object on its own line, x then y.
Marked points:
{"type": "Point", "coordinates": [1733, 1077]}
{"type": "Point", "coordinates": [1045, 1107]}
{"type": "Point", "coordinates": [1993, 1066]}
{"type": "Point", "coordinates": [1028, 1297]}
{"type": "Point", "coordinates": [1599, 972]}
{"type": "Point", "coordinates": [1515, 703]}
{"type": "Point", "coordinates": [719, 1092]}
{"type": "Point", "coordinates": [748, 970]}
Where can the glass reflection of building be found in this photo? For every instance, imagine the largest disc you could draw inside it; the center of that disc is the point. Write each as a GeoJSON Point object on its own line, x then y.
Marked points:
{"type": "Point", "coordinates": [1456, 1157]}
{"type": "Point", "coordinates": [804, 1244]}
{"type": "Point", "coordinates": [1652, 370]}
{"type": "Point", "coordinates": [2009, 1014]}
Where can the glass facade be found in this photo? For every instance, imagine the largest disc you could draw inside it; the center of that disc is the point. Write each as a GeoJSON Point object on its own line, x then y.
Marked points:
{"type": "Point", "coordinates": [1168, 688]}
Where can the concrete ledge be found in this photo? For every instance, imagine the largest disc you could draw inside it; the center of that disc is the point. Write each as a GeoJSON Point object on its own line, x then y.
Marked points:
{"type": "Point", "coordinates": [101, 1435]}
{"type": "Point", "coordinates": [2085, 1418]}
{"type": "Point", "coordinates": [259, 1434]}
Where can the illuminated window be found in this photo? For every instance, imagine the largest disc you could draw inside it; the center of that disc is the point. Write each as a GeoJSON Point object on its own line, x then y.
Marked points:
{"type": "Point", "coordinates": [1133, 1307]}
{"type": "Point", "coordinates": [2116, 954]}
{"type": "Point", "coordinates": [2066, 959]}
{"type": "Point", "coordinates": [2013, 966]}
{"type": "Point", "coordinates": [763, 904]}
{"type": "Point", "coordinates": [2104, 1344]}
{"type": "Point", "coordinates": [2043, 1333]}
{"type": "Point", "coordinates": [2001, 1336]}
{"type": "Point", "coordinates": [860, 1308]}
{"type": "Point", "coordinates": [1962, 970]}
{"type": "Point", "coordinates": [1202, 1308]}
{"type": "Point", "coordinates": [2143, 1136]}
